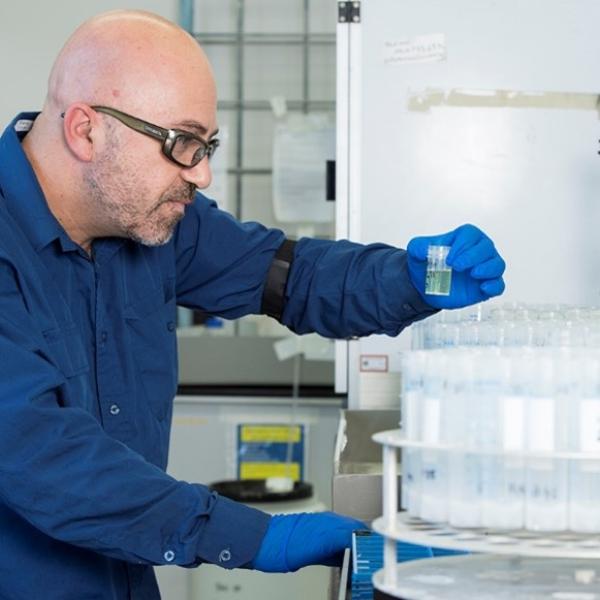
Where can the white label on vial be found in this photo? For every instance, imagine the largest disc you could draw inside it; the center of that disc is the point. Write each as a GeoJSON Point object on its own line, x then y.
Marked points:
{"type": "Point", "coordinates": [410, 420]}
{"type": "Point", "coordinates": [541, 425]}
{"type": "Point", "coordinates": [513, 422]}
{"type": "Point", "coordinates": [589, 429]}
{"type": "Point", "coordinates": [431, 421]}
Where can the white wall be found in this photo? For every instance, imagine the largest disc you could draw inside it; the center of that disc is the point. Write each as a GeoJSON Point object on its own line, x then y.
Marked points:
{"type": "Point", "coordinates": [31, 35]}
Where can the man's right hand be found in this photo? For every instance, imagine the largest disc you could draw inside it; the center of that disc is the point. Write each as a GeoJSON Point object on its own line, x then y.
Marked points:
{"type": "Point", "coordinates": [302, 539]}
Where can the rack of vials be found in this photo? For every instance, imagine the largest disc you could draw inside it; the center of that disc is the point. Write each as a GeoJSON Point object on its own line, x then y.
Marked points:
{"type": "Point", "coordinates": [500, 439]}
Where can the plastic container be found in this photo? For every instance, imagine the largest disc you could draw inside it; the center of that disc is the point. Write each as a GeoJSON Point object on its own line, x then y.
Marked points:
{"type": "Point", "coordinates": [464, 467]}
{"type": "Point", "coordinates": [584, 475]}
{"type": "Point", "coordinates": [546, 502]}
{"type": "Point", "coordinates": [438, 279]}
{"type": "Point", "coordinates": [434, 464]}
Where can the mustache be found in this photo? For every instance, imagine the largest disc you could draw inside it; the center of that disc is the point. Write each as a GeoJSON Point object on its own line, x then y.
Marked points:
{"type": "Point", "coordinates": [182, 193]}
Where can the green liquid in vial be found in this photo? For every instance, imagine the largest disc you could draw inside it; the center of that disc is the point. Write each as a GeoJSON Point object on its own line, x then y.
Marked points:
{"type": "Point", "coordinates": [437, 283]}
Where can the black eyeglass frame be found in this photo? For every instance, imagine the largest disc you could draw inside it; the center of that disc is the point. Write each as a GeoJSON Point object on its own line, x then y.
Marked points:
{"type": "Point", "coordinates": [168, 137]}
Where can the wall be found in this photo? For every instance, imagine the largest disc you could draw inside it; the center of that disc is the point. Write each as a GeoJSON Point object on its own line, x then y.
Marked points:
{"type": "Point", "coordinates": [31, 35]}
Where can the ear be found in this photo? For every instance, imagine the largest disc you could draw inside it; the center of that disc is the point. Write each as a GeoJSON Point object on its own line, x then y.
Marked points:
{"type": "Point", "coordinates": [81, 129]}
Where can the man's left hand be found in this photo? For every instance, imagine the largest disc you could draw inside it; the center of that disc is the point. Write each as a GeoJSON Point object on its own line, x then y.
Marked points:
{"type": "Point", "coordinates": [477, 267]}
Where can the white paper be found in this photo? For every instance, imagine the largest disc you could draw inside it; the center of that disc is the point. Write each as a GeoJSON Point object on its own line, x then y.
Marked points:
{"type": "Point", "coordinates": [301, 146]}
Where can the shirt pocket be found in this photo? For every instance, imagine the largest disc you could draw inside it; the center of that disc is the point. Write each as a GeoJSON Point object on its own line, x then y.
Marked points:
{"type": "Point", "coordinates": [151, 322]}
{"type": "Point", "coordinates": [66, 350]}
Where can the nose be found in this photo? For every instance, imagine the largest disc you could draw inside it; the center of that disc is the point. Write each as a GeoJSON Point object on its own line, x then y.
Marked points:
{"type": "Point", "coordinates": [200, 175]}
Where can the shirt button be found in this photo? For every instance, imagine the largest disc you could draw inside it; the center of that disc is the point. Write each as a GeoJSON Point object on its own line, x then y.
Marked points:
{"type": "Point", "coordinates": [170, 325]}
{"type": "Point", "coordinates": [169, 555]}
{"type": "Point", "coordinates": [224, 556]}
{"type": "Point", "coordinates": [104, 337]}
{"type": "Point", "coordinates": [407, 307]}
{"type": "Point", "coordinates": [114, 409]}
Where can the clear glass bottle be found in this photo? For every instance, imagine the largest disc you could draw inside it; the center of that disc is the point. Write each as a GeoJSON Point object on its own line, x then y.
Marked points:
{"type": "Point", "coordinates": [433, 463]}
{"type": "Point", "coordinates": [464, 465]}
{"type": "Point", "coordinates": [438, 278]}
{"type": "Point", "coordinates": [546, 497]}
{"type": "Point", "coordinates": [413, 367]}
{"type": "Point", "coordinates": [506, 502]}
{"type": "Point", "coordinates": [493, 376]}
{"type": "Point", "coordinates": [584, 480]}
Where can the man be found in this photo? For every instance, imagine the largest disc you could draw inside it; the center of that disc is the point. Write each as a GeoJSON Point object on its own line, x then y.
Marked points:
{"type": "Point", "coordinates": [102, 234]}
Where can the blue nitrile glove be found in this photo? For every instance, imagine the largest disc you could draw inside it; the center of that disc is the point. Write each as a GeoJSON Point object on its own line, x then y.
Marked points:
{"type": "Point", "coordinates": [476, 267]}
{"type": "Point", "coordinates": [302, 539]}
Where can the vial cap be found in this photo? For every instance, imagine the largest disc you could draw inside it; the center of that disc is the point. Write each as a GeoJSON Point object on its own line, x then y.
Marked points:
{"type": "Point", "coordinates": [438, 252]}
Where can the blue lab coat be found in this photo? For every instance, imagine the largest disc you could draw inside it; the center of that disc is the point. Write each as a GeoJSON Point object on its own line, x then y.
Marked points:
{"type": "Point", "coordinates": [88, 372]}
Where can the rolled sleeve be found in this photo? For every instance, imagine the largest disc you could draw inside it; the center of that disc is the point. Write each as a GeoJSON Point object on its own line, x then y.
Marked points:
{"type": "Point", "coordinates": [343, 289]}
{"type": "Point", "coordinates": [232, 535]}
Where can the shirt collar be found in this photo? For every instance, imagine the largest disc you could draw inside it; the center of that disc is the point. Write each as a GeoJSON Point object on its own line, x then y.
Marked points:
{"type": "Point", "coordinates": [22, 192]}
{"type": "Point", "coordinates": [25, 199]}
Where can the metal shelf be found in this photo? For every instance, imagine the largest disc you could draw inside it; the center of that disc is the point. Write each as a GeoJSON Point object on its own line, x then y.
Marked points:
{"type": "Point", "coordinates": [265, 39]}
{"type": "Point", "coordinates": [266, 105]}
{"type": "Point", "coordinates": [239, 40]}
{"type": "Point", "coordinates": [248, 171]}
{"type": "Point", "coordinates": [490, 541]}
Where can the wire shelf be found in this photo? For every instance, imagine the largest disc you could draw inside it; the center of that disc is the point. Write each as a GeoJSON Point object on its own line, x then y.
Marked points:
{"type": "Point", "coordinates": [263, 39]}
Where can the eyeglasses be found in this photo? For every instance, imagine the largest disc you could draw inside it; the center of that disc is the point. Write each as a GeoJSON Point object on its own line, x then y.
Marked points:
{"type": "Point", "coordinates": [182, 147]}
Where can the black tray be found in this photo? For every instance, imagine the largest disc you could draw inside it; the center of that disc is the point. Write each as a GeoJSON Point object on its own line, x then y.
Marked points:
{"type": "Point", "coordinates": [255, 490]}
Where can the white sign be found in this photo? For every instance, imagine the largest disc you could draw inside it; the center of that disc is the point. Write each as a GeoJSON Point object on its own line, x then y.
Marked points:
{"type": "Point", "coordinates": [420, 49]}
{"type": "Point", "coordinates": [374, 362]}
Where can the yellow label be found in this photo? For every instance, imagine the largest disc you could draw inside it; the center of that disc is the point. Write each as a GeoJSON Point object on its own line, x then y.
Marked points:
{"type": "Point", "coordinates": [257, 470]}
{"type": "Point", "coordinates": [270, 433]}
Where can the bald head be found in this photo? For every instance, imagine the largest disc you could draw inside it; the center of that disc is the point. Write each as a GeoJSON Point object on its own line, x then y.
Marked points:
{"type": "Point", "coordinates": [131, 59]}
{"type": "Point", "coordinates": [100, 175]}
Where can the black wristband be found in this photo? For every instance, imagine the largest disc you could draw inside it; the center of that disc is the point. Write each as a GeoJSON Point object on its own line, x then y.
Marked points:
{"type": "Point", "coordinates": [273, 301]}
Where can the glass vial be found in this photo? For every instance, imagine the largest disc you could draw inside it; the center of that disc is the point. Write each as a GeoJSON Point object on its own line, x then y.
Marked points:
{"type": "Point", "coordinates": [439, 275]}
